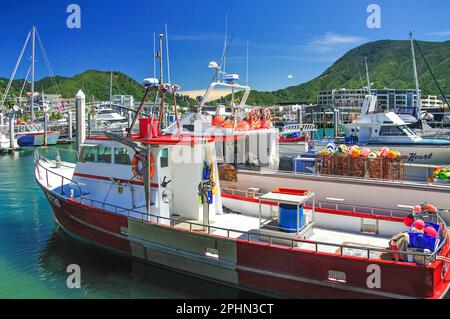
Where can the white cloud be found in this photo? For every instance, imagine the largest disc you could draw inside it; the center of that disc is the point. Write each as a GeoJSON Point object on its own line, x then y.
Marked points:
{"type": "Point", "coordinates": [298, 27]}
{"type": "Point", "coordinates": [331, 41]}
{"type": "Point", "coordinates": [195, 37]}
{"type": "Point", "coordinates": [290, 76]}
{"type": "Point", "coordinates": [439, 34]}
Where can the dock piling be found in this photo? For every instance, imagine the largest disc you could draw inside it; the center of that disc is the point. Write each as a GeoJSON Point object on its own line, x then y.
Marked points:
{"type": "Point", "coordinates": [45, 126]}
{"type": "Point", "coordinates": [80, 103]}
{"type": "Point", "coordinates": [336, 118]}
{"type": "Point", "coordinates": [69, 134]}
{"type": "Point", "coordinates": [12, 144]}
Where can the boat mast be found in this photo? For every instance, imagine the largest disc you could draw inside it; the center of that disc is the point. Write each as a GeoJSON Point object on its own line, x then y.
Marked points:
{"type": "Point", "coordinates": [8, 87]}
{"type": "Point", "coordinates": [246, 65]}
{"type": "Point", "coordinates": [33, 47]}
{"type": "Point", "coordinates": [416, 78]}
{"type": "Point", "coordinates": [367, 74]}
{"type": "Point", "coordinates": [110, 90]}
{"type": "Point", "coordinates": [223, 63]}
{"type": "Point", "coordinates": [167, 55]}
{"type": "Point", "coordinates": [161, 84]}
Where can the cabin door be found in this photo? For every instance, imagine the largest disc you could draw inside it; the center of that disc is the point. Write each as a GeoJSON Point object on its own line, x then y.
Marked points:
{"type": "Point", "coordinates": [164, 177]}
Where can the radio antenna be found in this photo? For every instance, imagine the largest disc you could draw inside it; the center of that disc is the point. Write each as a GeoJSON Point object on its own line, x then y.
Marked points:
{"type": "Point", "coordinates": [154, 54]}
{"type": "Point", "coordinates": [224, 52]}
{"type": "Point", "coordinates": [167, 54]}
{"type": "Point", "coordinates": [246, 67]}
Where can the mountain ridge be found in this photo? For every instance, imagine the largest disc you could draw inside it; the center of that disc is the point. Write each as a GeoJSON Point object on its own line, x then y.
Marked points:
{"type": "Point", "coordinates": [390, 65]}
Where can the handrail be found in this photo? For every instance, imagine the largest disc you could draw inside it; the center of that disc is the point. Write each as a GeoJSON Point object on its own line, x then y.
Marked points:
{"type": "Point", "coordinates": [146, 217]}
{"type": "Point", "coordinates": [356, 178]}
{"type": "Point", "coordinates": [38, 158]}
{"type": "Point", "coordinates": [338, 206]}
{"type": "Point", "coordinates": [291, 128]}
{"type": "Point", "coordinates": [248, 234]}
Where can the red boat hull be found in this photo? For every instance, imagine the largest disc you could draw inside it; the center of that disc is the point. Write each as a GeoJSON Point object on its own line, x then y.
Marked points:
{"type": "Point", "coordinates": [274, 270]}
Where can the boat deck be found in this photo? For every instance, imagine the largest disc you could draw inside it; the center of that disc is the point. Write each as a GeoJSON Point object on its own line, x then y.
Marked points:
{"type": "Point", "coordinates": [238, 226]}
{"type": "Point", "coordinates": [346, 239]}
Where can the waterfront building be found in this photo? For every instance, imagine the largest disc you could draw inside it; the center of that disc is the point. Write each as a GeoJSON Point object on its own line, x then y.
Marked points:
{"type": "Point", "coordinates": [352, 99]}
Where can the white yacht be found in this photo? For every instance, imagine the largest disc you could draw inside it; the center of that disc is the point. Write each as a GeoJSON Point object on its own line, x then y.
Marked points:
{"type": "Point", "coordinates": [388, 129]}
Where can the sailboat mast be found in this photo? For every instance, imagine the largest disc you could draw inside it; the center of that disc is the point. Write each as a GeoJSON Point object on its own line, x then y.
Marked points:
{"type": "Point", "coordinates": [110, 90]}
{"type": "Point", "coordinates": [246, 66]}
{"type": "Point", "coordinates": [416, 78]}
{"type": "Point", "coordinates": [161, 66]}
{"type": "Point", "coordinates": [33, 47]}
{"type": "Point", "coordinates": [367, 74]}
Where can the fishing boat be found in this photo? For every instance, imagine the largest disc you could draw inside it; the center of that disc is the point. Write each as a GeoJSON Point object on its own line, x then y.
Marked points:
{"type": "Point", "coordinates": [156, 197]}
{"type": "Point", "coordinates": [167, 210]}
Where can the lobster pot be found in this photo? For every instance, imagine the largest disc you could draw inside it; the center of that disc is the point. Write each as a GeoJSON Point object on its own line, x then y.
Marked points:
{"type": "Point", "coordinates": [375, 168]}
{"type": "Point", "coordinates": [325, 164]}
{"type": "Point", "coordinates": [358, 166]}
{"type": "Point", "coordinates": [227, 173]}
{"type": "Point", "coordinates": [341, 165]}
{"type": "Point", "coordinates": [394, 169]}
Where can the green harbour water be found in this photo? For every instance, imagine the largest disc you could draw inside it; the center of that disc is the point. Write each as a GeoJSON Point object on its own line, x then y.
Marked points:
{"type": "Point", "coordinates": [35, 253]}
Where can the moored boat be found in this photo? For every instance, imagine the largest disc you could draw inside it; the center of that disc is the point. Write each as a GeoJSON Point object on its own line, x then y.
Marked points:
{"type": "Point", "coordinates": [38, 139]}
{"type": "Point", "coordinates": [328, 253]}
{"type": "Point", "coordinates": [157, 197]}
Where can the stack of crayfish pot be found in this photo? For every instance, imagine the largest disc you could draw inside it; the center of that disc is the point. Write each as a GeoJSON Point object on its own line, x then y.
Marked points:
{"type": "Point", "coordinates": [361, 162]}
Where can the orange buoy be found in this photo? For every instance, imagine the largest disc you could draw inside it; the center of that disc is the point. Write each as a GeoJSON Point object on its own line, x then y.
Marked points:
{"type": "Point", "coordinates": [217, 120]}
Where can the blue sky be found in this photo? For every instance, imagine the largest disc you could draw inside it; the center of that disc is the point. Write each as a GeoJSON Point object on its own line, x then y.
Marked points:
{"type": "Point", "coordinates": [291, 41]}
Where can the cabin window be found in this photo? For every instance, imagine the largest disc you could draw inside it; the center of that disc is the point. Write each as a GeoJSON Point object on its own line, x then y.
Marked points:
{"type": "Point", "coordinates": [121, 156]}
{"type": "Point", "coordinates": [89, 154]}
{"type": "Point", "coordinates": [391, 131]}
{"type": "Point", "coordinates": [164, 158]}
{"type": "Point", "coordinates": [104, 154]}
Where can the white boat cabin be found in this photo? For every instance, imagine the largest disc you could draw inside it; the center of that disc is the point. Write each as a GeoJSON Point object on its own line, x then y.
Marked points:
{"type": "Point", "coordinates": [109, 173]}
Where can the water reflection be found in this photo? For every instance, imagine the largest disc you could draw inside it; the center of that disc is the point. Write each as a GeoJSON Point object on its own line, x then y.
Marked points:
{"type": "Point", "coordinates": [106, 275]}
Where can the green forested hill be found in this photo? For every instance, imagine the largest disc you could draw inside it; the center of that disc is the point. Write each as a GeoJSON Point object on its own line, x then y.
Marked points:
{"type": "Point", "coordinates": [390, 65]}
{"type": "Point", "coordinates": [93, 83]}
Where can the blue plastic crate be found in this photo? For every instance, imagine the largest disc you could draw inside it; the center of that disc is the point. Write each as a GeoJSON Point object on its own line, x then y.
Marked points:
{"type": "Point", "coordinates": [304, 164]}
{"type": "Point", "coordinates": [424, 241]}
{"type": "Point", "coordinates": [351, 140]}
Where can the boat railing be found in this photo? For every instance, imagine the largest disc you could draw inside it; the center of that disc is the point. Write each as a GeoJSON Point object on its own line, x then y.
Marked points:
{"type": "Point", "coordinates": [292, 128]}
{"type": "Point", "coordinates": [253, 235]}
{"type": "Point", "coordinates": [375, 211]}
{"type": "Point", "coordinates": [38, 159]}
{"type": "Point", "coordinates": [427, 168]}
{"type": "Point", "coordinates": [249, 236]}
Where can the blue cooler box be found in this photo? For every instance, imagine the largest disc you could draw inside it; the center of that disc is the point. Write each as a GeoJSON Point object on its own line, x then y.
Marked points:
{"type": "Point", "coordinates": [287, 217]}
